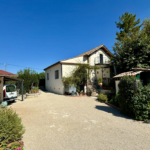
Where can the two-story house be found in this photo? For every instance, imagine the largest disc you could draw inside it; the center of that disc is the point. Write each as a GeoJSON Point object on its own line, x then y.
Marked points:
{"type": "Point", "coordinates": [97, 56]}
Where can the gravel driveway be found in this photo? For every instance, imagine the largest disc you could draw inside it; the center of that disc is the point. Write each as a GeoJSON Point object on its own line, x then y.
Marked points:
{"type": "Point", "coordinates": [56, 122]}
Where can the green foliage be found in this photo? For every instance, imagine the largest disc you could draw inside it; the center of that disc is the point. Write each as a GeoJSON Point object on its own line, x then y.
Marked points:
{"type": "Point", "coordinates": [141, 103]}
{"type": "Point", "coordinates": [41, 75]}
{"type": "Point", "coordinates": [132, 47]}
{"type": "Point", "coordinates": [18, 146]}
{"type": "Point", "coordinates": [35, 89]}
{"type": "Point", "coordinates": [127, 25]}
{"type": "Point", "coordinates": [100, 80]}
{"type": "Point", "coordinates": [146, 27]}
{"type": "Point", "coordinates": [102, 97]}
{"type": "Point", "coordinates": [78, 76]}
{"type": "Point", "coordinates": [28, 76]}
{"type": "Point", "coordinates": [11, 128]}
{"type": "Point", "coordinates": [125, 94]}
{"type": "Point", "coordinates": [133, 104]}
{"type": "Point", "coordinates": [113, 99]}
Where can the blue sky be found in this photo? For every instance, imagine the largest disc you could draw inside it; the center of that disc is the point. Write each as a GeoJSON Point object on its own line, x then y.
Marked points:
{"type": "Point", "coordinates": [38, 33]}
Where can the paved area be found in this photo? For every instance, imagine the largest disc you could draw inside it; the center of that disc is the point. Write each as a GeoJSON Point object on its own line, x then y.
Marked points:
{"type": "Point", "coordinates": [56, 122]}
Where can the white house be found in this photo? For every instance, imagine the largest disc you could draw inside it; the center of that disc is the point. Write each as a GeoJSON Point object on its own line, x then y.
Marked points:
{"type": "Point", "coordinates": [97, 56]}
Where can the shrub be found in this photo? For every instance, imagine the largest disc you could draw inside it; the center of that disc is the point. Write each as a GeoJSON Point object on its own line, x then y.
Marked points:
{"type": "Point", "coordinates": [102, 97]}
{"type": "Point", "coordinates": [17, 146]}
{"type": "Point", "coordinates": [113, 99]}
{"type": "Point", "coordinates": [28, 76]}
{"type": "Point", "coordinates": [126, 92]}
{"type": "Point", "coordinates": [141, 103]}
{"type": "Point", "coordinates": [11, 128]}
{"type": "Point", "coordinates": [100, 80]}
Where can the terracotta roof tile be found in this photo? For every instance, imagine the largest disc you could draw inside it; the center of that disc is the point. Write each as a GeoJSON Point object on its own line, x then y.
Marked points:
{"type": "Point", "coordinates": [129, 73]}
{"type": "Point", "coordinates": [141, 69]}
{"type": "Point", "coordinates": [93, 50]}
{"type": "Point", "coordinates": [5, 73]}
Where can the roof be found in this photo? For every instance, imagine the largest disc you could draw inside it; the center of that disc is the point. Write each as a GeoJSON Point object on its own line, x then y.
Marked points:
{"type": "Point", "coordinates": [88, 53]}
{"type": "Point", "coordinates": [60, 62]}
{"type": "Point", "coordinates": [12, 79]}
{"type": "Point", "coordinates": [129, 73]}
{"type": "Point", "coordinates": [141, 69]}
{"type": "Point", "coordinates": [5, 73]}
{"type": "Point", "coordinates": [95, 49]}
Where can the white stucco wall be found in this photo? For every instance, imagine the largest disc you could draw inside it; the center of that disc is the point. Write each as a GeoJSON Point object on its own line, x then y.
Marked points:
{"type": "Point", "coordinates": [116, 84]}
{"type": "Point", "coordinates": [81, 59]}
{"type": "Point", "coordinates": [95, 55]}
{"type": "Point", "coordinates": [67, 69]}
{"type": "Point", "coordinates": [54, 85]}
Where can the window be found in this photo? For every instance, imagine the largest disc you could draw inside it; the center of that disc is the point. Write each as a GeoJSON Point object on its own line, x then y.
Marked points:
{"type": "Point", "coordinates": [101, 58]}
{"type": "Point", "coordinates": [10, 88]}
{"type": "Point", "coordinates": [56, 74]}
{"type": "Point", "coordinates": [47, 76]}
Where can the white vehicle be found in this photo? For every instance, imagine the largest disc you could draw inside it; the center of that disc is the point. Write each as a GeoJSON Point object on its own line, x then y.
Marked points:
{"type": "Point", "coordinates": [9, 92]}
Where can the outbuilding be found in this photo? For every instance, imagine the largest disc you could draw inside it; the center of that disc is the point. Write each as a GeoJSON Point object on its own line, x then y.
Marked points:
{"type": "Point", "coordinates": [7, 76]}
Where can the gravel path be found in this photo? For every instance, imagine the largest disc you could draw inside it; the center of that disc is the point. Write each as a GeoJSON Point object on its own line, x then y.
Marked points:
{"type": "Point", "coordinates": [56, 122]}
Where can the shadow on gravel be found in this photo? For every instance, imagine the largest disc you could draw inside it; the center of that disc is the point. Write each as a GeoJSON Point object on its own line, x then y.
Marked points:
{"type": "Point", "coordinates": [10, 103]}
{"type": "Point", "coordinates": [112, 111]}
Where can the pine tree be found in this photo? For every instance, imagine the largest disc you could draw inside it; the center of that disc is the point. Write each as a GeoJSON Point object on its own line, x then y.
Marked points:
{"type": "Point", "coordinates": [127, 25]}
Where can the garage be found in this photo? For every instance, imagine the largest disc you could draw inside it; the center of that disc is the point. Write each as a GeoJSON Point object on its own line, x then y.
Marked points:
{"type": "Point", "coordinates": [7, 76]}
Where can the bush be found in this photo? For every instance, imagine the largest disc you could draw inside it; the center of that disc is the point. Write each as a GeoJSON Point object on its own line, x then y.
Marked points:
{"type": "Point", "coordinates": [28, 76]}
{"type": "Point", "coordinates": [141, 103]}
{"type": "Point", "coordinates": [113, 99]}
{"type": "Point", "coordinates": [11, 128]}
{"type": "Point", "coordinates": [102, 97]}
{"type": "Point", "coordinates": [18, 146]}
{"type": "Point", "coordinates": [125, 93]}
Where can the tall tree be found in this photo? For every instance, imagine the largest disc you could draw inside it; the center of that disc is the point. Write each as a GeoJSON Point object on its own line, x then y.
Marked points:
{"type": "Point", "coordinates": [132, 47]}
{"type": "Point", "coordinates": [127, 25]}
{"type": "Point", "coordinates": [146, 27]}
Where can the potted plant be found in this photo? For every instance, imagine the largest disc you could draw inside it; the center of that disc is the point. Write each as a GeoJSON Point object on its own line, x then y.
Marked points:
{"type": "Point", "coordinates": [29, 91]}
{"type": "Point", "coordinates": [100, 82]}
{"type": "Point", "coordinates": [81, 93]}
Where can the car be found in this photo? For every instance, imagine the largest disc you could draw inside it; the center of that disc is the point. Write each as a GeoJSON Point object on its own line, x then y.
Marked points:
{"type": "Point", "coordinates": [9, 92]}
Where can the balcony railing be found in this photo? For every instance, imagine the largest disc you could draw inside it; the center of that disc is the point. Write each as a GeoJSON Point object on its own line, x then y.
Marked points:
{"type": "Point", "coordinates": [97, 61]}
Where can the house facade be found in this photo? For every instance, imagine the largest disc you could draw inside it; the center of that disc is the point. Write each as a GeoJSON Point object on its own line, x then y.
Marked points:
{"type": "Point", "coordinates": [98, 56]}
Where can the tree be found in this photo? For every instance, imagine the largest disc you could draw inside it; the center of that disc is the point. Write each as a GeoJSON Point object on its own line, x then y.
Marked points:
{"type": "Point", "coordinates": [146, 27]}
{"type": "Point", "coordinates": [29, 76]}
{"type": "Point", "coordinates": [127, 25]}
{"type": "Point", "coordinates": [132, 48]}
{"type": "Point", "coordinates": [41, 75]}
